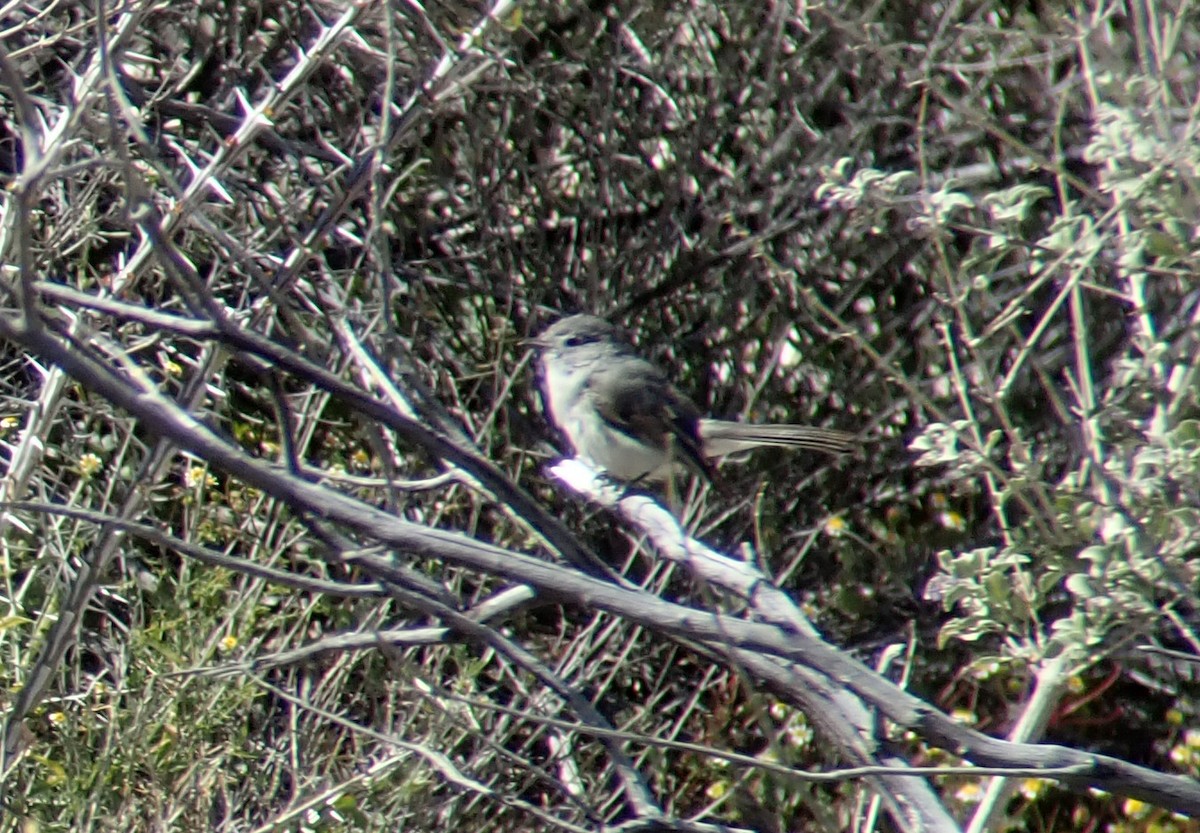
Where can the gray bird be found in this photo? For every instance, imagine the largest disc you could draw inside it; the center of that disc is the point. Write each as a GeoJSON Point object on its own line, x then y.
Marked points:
{"type": "Point", "coordinates": [622, 413]}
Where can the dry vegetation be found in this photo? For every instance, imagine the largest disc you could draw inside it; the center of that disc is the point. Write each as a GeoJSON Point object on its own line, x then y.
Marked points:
{"type": "Point", "coordinates": [280, 549]}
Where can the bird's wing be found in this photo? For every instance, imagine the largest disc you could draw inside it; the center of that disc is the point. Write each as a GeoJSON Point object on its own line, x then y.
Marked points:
{"type": "Point", "coordinates": [637, 399]}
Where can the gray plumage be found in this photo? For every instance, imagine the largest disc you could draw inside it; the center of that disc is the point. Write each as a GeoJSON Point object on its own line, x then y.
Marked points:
{"type": "Point", "coordinates": [622, 413]}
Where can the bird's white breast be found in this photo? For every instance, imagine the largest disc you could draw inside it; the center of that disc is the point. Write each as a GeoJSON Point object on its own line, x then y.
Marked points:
{"type": "Point", "coordinates": [573, 411]}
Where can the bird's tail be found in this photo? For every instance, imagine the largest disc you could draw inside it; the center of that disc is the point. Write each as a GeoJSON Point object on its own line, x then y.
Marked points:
{"type": "Point", "coordinates": [720, 438]}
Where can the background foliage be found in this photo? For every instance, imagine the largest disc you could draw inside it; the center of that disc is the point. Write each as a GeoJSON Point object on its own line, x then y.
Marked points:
{"type": "Point", "coordinates": [967, 231]}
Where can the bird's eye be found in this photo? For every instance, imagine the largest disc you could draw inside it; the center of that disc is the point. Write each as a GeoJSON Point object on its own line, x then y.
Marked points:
{"type": "Point", "coordinates": [575, 341]}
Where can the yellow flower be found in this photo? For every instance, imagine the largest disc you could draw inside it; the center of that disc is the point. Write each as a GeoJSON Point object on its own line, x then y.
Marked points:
{"type": "Point", "coordinates": [196, 476]}
{"type": "Point", "coordinates": [952, 520]}
{"type": "Point", "coordinates": [89, 464]}
{"type": "Point", "coordinates": [228, 643]}
{"type": "Point", "coordinates": [716, 790]}
{"type": "Point", "coordinates": [1031, 788]}
{"type": "Point", "coordinates": [835, 526]}
{"type": "Point", "coordinates": [969, 793]}
{"type": "Point", "coordinates": [1133, 807]}
{"type": "Point", "coordinates": [799, 733]}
